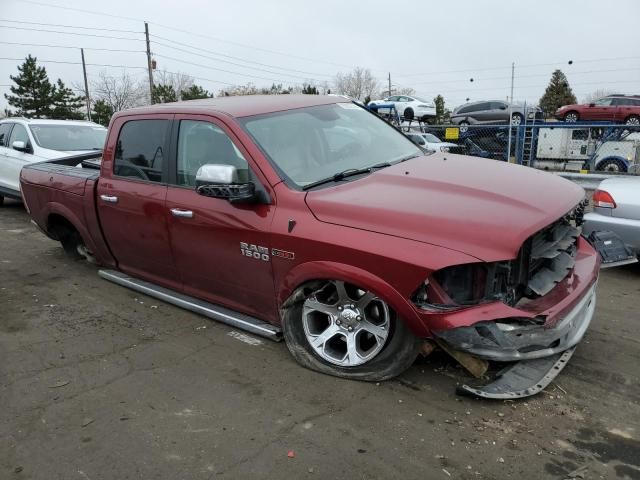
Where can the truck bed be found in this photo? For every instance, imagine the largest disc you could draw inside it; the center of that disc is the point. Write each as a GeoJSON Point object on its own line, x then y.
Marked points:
{"type": "Point", "coordinates": [66, 188]}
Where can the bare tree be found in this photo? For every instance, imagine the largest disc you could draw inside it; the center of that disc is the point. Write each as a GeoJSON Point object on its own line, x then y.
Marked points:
{"type": "Point", "coordinates": [120, 92]}
{"type": "Point", "coordinates": [179, 81]}
{"type": "Point", "coordinates": [359, 83]}
{"type": "Point", "coordinates": [595, 95]}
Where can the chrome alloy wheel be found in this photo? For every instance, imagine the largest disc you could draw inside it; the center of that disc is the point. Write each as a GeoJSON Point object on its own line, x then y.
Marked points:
{"type": "Point", "coordinates": [345, 325]}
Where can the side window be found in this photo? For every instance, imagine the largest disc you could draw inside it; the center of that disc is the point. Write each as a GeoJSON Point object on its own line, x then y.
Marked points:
{"type": "Point", "coordinates": [393, 98]}
{"type": "Point", "coordinates": [499, 106]}
{"type": "Point", "coordinates": [201, 143]}
{"type": "Point", "coordinates": [603, 102]}
{"type": "Point", "coordinates": [140, 150]}
{"type": "Point", "coordinates": [19, 134]}
{"type": "Point", "coordinates": [5, 128]}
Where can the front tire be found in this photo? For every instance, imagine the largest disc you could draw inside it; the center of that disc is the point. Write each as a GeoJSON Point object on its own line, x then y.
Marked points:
{"type": "Point", "coordinates": [408, 114]}
{"type": "Point", "coordinates": [342, 330]}
{"type": "Point", "coordinates": [571, 117]}
{"type": "Point", "coordinates": [464, 126]}
{"type": "Point", "coordinates": [516, 119]}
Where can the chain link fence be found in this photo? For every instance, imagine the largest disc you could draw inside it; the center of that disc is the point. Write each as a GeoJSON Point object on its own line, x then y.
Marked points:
{"type": "Point", "coordinates": [596, 147]}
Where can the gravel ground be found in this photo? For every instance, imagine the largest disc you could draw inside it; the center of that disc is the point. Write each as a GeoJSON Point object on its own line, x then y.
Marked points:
{"type": "Point", "coordinates": [98, 382]}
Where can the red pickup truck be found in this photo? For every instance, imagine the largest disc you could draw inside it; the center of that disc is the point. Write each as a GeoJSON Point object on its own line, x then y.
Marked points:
{"type": "Point", "coordinates": [310, 218]}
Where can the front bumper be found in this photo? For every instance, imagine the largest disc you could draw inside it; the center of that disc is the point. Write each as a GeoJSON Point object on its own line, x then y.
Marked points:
{"type": "Point", "coordinates": [507, 341]}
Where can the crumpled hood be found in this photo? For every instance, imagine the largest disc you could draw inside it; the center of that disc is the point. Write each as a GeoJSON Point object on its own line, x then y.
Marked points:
{"type": "Point", "coordinates": [484, 208]}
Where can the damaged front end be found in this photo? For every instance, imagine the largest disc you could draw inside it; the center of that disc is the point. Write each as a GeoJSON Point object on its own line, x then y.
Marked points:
{"type": "Point", "coordinates": [532, 310]}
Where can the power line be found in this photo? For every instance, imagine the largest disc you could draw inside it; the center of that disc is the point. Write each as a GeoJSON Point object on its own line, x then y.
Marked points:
{"type": "Point", "coordinates": [527, 76]}
{"type": "Point", "coordinates": [77, 63]}
{"type": "Point", "coordinates": [228, 56]}
{"type": "Point", "coordinates": [217, 69]}
{"type": "Point", "coordinates": [62, 7]}
{"type": "Point", "coordinates": [69, 33]}
{"type": "Point", "coordinates": [71, 47]}
{"type": "Point", "coordinates": [93, 12]}
{"type": "Point", "coordinates": [68, 26]}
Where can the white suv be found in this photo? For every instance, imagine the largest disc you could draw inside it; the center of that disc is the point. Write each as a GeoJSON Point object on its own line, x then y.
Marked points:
{"type": "Point", "coordinates": [410, 108]}
{"type": "Point", "coordinates": [25, 141]}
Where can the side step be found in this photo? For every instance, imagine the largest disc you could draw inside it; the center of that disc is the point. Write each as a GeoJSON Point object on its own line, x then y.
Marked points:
{"type": "Point", "coordinates": [215, 312]}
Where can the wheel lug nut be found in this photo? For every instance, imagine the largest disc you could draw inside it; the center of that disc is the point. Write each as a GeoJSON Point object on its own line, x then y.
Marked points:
{"type": "Point", "coordinates": [338, 322]}
{"type": "Point", "coordinates": [350, 329]}
{"type": "Point", "coordinates": [340, 308]}
{"type": "Point", "coordinates": [359, 318]}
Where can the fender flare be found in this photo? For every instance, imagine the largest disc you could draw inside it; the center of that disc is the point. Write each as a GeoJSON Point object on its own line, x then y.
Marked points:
{"type": "Point", "coordinates": [623, 160]}
{"type": "Point", "coordinates": [55, 208]}
{"type": "Point", "coordinates": [326, 270]}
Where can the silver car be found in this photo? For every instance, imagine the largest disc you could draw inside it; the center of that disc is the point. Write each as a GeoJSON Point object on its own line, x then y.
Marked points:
{"type": "Point", "coordinates": [616, 208]}
{"type": "Point", "coordinates": [494, 112]}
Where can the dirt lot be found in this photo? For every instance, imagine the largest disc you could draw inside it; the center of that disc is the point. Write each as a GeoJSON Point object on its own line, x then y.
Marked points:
{"type": "Point", "coordinates": [98, 382]}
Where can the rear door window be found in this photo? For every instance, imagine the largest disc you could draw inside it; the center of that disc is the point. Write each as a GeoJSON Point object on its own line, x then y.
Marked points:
{"type": "Point", "coordinates": [141, 150]}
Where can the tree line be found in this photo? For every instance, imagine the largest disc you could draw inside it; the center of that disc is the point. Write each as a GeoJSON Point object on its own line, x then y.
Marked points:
{"type": "Point", "coordinates": [34, 95]}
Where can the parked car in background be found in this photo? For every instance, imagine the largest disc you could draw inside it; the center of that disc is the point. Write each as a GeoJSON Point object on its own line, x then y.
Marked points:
{"type": "Point", "coordinates": [616, 208]}
{"type": "Point", "coordinates": [494, 112]}
{"type": "Point", "coordinates": [409, 107]}
{"type": "Point", "coordinates": [430, 142]}
{"type": "Point", "coordinates": [612, 108]}
{"type": "Point", "coordinates": [24, 141]}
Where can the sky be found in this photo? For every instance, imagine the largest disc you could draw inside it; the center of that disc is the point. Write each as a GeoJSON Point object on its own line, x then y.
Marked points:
{"type": "Point", "coordinates": [434, 47]}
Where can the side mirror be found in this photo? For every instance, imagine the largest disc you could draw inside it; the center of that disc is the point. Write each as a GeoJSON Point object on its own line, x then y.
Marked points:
{"type": "Point", "coordinates": [221, 181]}
{"type": "Point", "coordinates": [592, 104]}
{"type": "Point", "coordinates": [19, 145]}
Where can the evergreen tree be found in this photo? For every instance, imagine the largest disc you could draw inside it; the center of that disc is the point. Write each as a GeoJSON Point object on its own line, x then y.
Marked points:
{"type": "Point", "coordinates": [443, 115]}
{"type": "Point", "coordinates": [309, 90]}
{"type": "Point", "coordinates": [194, 92]}
{"type": "Point", "coordinates": [557, 94]}
{"type": "Point", "coordinates": [164, 94]}
{"type": "Point", "coordinates": [66, 105]}
{"type": "Point", "coordinates": [32, 95]}
{"type": "Point", "coordinates": [101, 113]}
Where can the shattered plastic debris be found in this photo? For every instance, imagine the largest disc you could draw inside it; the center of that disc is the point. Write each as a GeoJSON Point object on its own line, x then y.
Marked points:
{"type": "Point", "coordinates": [291, 454]}
{"type": "Point", "coordinates": [59, 384]}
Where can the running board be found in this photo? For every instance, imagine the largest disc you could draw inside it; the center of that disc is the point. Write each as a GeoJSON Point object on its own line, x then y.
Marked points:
{"type": "Point", "coordinates": [215, 312]}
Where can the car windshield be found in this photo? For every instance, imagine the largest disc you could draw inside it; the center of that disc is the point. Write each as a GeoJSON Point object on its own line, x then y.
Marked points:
{"type": "Point", "coordinates": [314, 143]}
{"type": "Point", "coordinates": [431, 138]}
{"type": "Point", "coordinates": [69, 137]}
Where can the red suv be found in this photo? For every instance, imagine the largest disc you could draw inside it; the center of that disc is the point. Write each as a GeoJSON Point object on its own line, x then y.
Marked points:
{"type": "Point", "coordinates": [612, 108]}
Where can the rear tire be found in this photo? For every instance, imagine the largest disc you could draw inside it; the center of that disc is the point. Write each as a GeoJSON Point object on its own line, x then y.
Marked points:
{"type": "Point", "coordinates": [571, 117]}
{"type": "Point", "coordinates": [612, 165]}
{"type": "Point", "coordinates": [516, 119]}
{"type": "Point", "coordinates": [632, 120]}
{"type": "Point", "coordinates": [74, 246]}
{"type": "Point", "coordinates": [464, 126]}
{"type": "Point", "coordinates": [377, 347]}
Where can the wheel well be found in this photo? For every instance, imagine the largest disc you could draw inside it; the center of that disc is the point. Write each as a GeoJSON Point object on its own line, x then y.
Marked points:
{"type": "Point", "coordinates": [59, 227]}
{"type": "Point", "coordinates": [621, 161]}
{"type": "Point", "coordinates": [633, 115]}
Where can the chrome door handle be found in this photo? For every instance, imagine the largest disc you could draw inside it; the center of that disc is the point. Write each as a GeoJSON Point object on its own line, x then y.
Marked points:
{"type": "Point", "coordinates": [176, 212]}
{"type": "Point", "coordinates": [109, 198]}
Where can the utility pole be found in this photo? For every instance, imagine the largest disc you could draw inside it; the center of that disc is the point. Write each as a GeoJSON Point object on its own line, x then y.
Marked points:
{"type": "Point", "coordinates": [389, 83]}
{"type": "Point", "coordinates": [513, 68]}
{"type": "Point", "coordinates": [149, 68]}
{"type": "Point", "coordinates": [86, 85]}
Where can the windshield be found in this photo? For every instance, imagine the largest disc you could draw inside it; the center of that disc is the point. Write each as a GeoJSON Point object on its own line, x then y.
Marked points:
{"type": "Point", "coordinates": [69, 137]}
{"type": "Point", "coordinates": [314, 143]}
{"type": "Point", "coordinates": [431, 138]}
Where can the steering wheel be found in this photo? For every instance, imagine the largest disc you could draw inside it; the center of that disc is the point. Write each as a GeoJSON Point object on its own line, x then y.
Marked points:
{"type": "Point", "coordinates": [141, 173]}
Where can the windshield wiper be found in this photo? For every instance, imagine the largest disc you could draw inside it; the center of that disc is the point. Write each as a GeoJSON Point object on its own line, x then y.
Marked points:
{"type": "Point", "coordinates": [350, 172]}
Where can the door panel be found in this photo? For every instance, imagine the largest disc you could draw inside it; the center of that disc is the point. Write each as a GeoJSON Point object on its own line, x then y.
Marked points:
{"type": "Point", "coordinates": [132, 204]}
{"type": "Point", "coordinates": [207, 233]}
{"type": "Point", "coordinates": [207, 249]}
